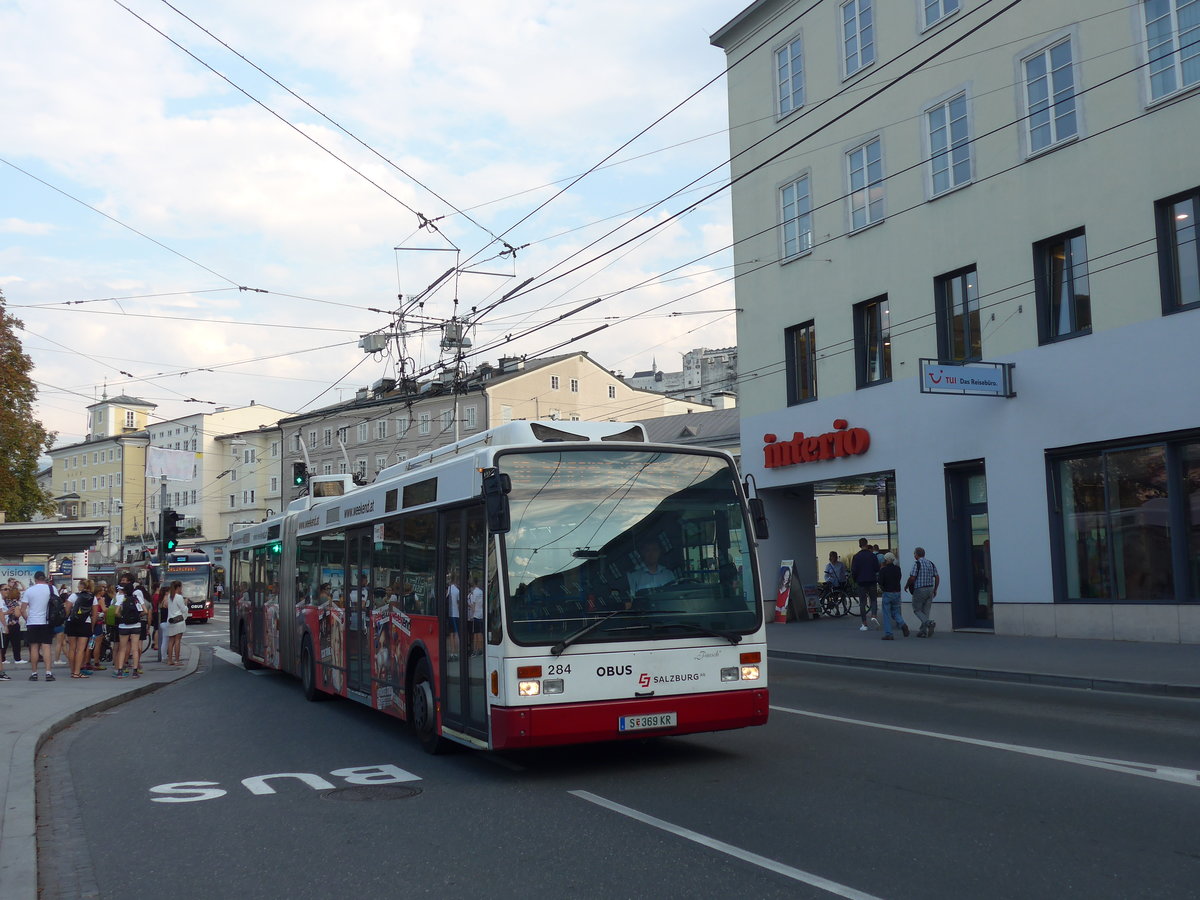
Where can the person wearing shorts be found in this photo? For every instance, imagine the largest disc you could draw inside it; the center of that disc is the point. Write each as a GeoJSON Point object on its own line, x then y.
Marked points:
{"type": "Point", "coordinates": [35, 607]}
{"type": "Point", "coordinates": [129, 634]}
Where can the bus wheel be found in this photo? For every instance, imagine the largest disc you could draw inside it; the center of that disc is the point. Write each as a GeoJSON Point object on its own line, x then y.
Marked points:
{"type": "Point", "coordinates": [308, 673]}
{"type": "Point", "coordinates": [244, 648]}
{"type": "Point", "coordinates": [422, 711]}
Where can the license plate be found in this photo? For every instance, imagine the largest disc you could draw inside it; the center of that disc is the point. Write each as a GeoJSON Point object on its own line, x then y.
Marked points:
{"type": "Point", "coordinates": [643, 723]}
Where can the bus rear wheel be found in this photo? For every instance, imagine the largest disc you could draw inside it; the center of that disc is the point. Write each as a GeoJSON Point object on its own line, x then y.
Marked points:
{"type": "Point", "coordinates": [244, 649]}
{"type": "Point", "coordinates": [308, 673]}
{"type": "Point", "coordinates": [422, 709]}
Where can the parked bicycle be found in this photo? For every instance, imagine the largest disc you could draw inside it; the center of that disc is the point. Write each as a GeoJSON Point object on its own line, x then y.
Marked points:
{"type": "Point", "coordinates": [835, 601]}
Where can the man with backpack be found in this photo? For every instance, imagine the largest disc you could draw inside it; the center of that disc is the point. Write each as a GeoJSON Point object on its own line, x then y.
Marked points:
{"type": "Point", "coordinates": [35, 607]}
{"type": "Point", "coordinates": [131, 606]}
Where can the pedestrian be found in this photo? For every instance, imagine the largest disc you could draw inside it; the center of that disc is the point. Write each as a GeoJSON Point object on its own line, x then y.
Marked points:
{"type": "Point", "coordinates": [159, 620]}
{"type": "Point", "coordinates": [35, 607]}
{"type": "Point", "coordinates": [923, 583]}
{"type": "Point", "coordinates": [58, 646]}
{"type": "Point", "coordinates": [13, 620]}
{"type": "Point", "coordinates": [175, 617]}
{"type": "Point", "coordinates": [4, 676]}
{"type": "Point", "coordinates": [889, 591]}
{"type": "Point", "coordinates": [81, 617]}
{"type": "Point", "coordinates": [835, 571]}
{"type": "Point", "coordinates": [864, 568]}
{"type": "Point", "coordinates": [99, 629]}
{"type": "Point", "coordinates": [131, 607]}
{"type": "Point", "coordinates": [475, 614]}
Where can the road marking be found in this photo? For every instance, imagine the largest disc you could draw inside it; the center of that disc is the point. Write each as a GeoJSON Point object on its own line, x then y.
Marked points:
{"type": "Point", "coordinates": [232, 658]}
{"type": "Point", "coordinates": [808, 878]}
{"type": "Point", "coordinates": [1172, 774]}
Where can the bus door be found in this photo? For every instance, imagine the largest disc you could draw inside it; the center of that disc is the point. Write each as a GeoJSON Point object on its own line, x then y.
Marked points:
{"type": "Point", "coordinates": [258, 598]}
{"type": "Point", "coordinates": [460, 590]}
{"type": "Point", "coordinates": [358, 610]}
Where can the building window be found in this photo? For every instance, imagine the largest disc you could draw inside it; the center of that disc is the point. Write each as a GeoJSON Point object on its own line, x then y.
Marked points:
{"type": "Point", "coordinates": [471, 416]}
{"type": "Point", "coordinates": [865, 165]}
{"type": "Point", "coordinates": [936, 10]}
{"type": "Point", "coordinates": [296, 442]}
{"type": "Point", "coordinates": [129, 421]}
{"type": "Point", "coordinates": [402, 426]}
{"type": "Point", "coordinates": [447, 417]}
{"type": "Point", "coordinates": [380, 463]}
{"type": "Point", "coordinates": [274, 485]}
{"type": "Point", "coordinates": [118, 479]}
{"type": "Point", "coordinates": [342, 470]}
{"type": "Point", "coordinates": [312, 439]}
{"type": "Point", "coordinates": [1172, 44]}
{"type": "Point", "coordinates": [1126, 526]}
{"type": "Point", "coordinates": [956, 296]}
{"type": "Point", "coordinates": [364, 432]}
{"type": "Point", "coordinates": [795, 208]}
{"type": "Point", "coordinates": [360, 467]}
{"type": "Point", "coordinates": [423, 423]}
{"type": "Point", "coordinates": [327, 469]}
{"type": "Point", "coordinates": [381, 429]}
{"type": "Point", "coordinates": [275, 446]}
{"type": "Point", "coordinates": [1178, 257]}
{"type": "Point", "coordinates": [574, 385]}
{"type": "Point", "coordinates": [949, 144]}
{"type": "Point", "coordinates": [1061, 281]}
{"type": "Point", "coordinates": [800, 350]}
{"type": "Point", "coordinates": [505, 414]}
{"type": "Point", "coordinates": [789, 77]}
{"type": "Point", "coordinates": [249, 456]}
{"type": "Point", "coordinates": [858, 35]}
{"type": "Point", "coordinates": [327, 437]}
{"type": "Point", "coordinates": [554, 382]}
{"type": "Point", "coordinates": [873, 342]}
{"type": "Point", "coordinates": [1050, 97]}
{"type": "Point", "coordinates": [612, 392]}
{"type": "Point", "coordinates": [232, 501]}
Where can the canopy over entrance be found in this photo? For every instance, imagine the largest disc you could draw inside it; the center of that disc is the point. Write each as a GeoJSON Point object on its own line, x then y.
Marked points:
{"type": "Point", "coordinates": [48, 538]}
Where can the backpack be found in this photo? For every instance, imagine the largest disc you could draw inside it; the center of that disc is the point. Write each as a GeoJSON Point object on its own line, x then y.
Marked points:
{"type": "Point", "coordinates": [130, 614]}
{"type": "Point", "coordinates": [81, 612]}
{"type": "Point", "coordinates": [56, 612]}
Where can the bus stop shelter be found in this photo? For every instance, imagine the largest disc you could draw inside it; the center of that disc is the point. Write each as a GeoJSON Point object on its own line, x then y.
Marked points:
{"type": "Point", "coordinates": [21, 539]}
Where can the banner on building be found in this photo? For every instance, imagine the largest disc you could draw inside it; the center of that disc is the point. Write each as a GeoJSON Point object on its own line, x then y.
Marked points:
{"type": "Point", "coordinates": [174, 465]}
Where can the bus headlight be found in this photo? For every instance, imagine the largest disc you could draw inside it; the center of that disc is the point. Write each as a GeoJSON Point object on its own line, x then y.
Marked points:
{"type": "Point", "coordinates": [749, 673]}
{"type": "Point", "coordinates": [730, 674]}
{"type": "Point", "coordinates": [529, 688]}
{"type": "Point", "coordinates": [552, 686]}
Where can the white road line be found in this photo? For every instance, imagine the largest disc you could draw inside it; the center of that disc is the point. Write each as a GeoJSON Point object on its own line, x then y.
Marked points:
{"type": "Point", "coordinates": [1172, 774]}
{"type": "Point", "coordinates": [232, 658]}
{"type": "Point", "coordinates": [779, 868]}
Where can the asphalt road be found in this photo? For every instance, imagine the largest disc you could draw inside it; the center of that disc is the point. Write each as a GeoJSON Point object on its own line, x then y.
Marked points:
{"type": "Point", "coordinates": [863, 784]}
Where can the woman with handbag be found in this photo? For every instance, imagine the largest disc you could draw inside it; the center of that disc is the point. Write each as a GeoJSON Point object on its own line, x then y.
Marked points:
{"type": "Point", "coordinates": [176, 623]}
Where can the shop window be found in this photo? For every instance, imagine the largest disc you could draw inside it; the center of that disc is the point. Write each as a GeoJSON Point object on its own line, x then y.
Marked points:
{"type": "Point", "coordinates": [1119, 515]}
{"type": "Point", "coordinates": [956, 296]}
{"type": "Point", "coordinates": [1064, 299]}
{"type": "Point", "coordinates": [872, 342]}
{"type": "Point", "coordinates": [1178, 256]}
{"type": "Point", "coordinates": [800, 351]}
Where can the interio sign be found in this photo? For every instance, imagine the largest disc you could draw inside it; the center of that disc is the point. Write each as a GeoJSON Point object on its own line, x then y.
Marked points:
{"type": "Point", "coordinates": [842, 441]}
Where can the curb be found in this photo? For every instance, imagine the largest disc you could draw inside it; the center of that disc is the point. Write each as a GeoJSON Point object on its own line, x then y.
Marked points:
{"type": "Point", "coordinates": [18, 843]}
{"type": "Point", "coordinates": [1112, 685]}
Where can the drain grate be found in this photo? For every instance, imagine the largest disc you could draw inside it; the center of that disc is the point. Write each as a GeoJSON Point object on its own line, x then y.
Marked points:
{"type": "Point", "coordinates": [368, 793]}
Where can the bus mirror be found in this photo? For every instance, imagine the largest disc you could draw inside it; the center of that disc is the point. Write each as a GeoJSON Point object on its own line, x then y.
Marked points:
{"type": "Point", "coordinates": [496, 488]}
{"type": "Point", "coordinates": [759, 515]}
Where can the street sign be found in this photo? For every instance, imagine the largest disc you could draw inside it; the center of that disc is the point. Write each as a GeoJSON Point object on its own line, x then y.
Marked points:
{"type": "Point", "coordinates": [984, 379]}
{"type": "Point", "coordinates": [66, 566]}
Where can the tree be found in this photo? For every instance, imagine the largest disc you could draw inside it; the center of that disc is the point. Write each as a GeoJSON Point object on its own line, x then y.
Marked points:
{"type": "Point", "coordinates": [22, 437]}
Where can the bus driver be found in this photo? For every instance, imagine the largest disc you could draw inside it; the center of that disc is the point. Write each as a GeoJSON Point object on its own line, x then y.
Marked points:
{"type": "Point", "coordinates": [649, 574]}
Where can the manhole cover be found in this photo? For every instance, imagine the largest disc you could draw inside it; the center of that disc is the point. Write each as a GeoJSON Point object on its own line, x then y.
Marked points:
{"type": "Point", "coordinates": [368, 793]}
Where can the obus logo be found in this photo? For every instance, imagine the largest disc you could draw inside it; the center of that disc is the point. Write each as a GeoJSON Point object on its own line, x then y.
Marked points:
{"type": "Point", "coordinates": [644, 679]}
{"type": "Point", "coordinates": [606, 671]}
{"type": "Point", "coordinates": [842, 441]}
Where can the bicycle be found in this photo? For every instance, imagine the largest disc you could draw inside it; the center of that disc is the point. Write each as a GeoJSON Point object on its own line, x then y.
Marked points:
{"type": "Point", "coordinates": [835, 601]}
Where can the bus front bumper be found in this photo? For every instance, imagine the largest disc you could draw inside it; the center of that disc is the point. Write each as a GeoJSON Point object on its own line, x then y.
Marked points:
{"type": "Point", "coordinates": [576, 723]}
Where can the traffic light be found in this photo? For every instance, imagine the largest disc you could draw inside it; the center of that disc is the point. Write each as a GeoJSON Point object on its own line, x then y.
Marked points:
{"type": "Point", "coordinates": [299, 474]}
{"type": "Point", "coordinates": [170, 529]}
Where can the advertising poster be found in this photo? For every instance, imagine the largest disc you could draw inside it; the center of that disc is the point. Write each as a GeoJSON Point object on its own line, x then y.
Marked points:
{"type": "Point", "coordinates": [785, 590]}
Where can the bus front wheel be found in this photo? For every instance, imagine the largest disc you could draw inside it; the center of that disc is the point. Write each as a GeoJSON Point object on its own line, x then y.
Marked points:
{"type": "Point", "coordinates": [422, 709]}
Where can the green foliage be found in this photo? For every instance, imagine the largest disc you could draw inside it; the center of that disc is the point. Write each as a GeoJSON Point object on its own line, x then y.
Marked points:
{"type": "Point", "coordinates": [22, 437]}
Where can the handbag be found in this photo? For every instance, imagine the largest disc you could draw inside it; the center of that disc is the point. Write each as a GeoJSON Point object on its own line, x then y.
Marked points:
{"type": "Point", "coordinates": [175, 620]}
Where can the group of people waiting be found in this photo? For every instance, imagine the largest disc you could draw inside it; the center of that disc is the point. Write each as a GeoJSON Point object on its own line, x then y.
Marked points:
{"type": "Point", "coordinates": [76, 628]}
{"type": "Point", "coordinates": [874, 570]}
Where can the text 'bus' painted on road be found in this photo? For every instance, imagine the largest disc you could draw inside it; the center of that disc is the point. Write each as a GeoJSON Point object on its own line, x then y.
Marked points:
{"type": "Point", "coordinates": [195, 791]}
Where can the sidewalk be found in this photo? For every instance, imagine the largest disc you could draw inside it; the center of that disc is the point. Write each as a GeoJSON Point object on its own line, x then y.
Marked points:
{"type": "Point", "coordinates": [30, 714]}
{"type": "Point", "coordinates": [1171, 670]}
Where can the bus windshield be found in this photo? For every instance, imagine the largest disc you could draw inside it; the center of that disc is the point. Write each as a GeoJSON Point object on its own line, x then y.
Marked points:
{"type": "Point", "coordinates": [657, 535]}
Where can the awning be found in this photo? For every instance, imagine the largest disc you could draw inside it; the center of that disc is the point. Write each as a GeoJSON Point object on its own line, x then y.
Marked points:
{"type": "Point", "coordinates": [48, 538]}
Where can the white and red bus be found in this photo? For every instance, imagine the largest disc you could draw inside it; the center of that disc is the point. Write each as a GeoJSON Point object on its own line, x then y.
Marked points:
{"type": "Point", "coordinates": [194, 570]}
{"type": "Point", "coordinates": [536, 585]}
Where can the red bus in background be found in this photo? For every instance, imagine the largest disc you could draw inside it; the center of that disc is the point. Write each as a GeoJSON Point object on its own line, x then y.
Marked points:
{"type": "Point", "coordinates": [538, 584]}
{"type": "Point", "coordinates": [194, 570]}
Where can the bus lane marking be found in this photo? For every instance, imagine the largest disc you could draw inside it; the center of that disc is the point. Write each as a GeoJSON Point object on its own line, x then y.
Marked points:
{"type": "Point", "coordinates": [779, 868]}
{"type": "Point", "coordinates": [1170, 774]}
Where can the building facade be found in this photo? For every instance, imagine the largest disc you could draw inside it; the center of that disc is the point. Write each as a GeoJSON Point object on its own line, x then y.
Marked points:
{"type": "Point", "coordinates": [705, 375]}
{"type": "Point", "coordinates": [1008, 193]}
{"type": "Point", "coordinates": [390, 423]}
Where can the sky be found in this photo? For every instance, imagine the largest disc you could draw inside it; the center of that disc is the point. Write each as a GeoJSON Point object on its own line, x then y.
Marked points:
{"type": "Point", "coordinates": [201, 241]}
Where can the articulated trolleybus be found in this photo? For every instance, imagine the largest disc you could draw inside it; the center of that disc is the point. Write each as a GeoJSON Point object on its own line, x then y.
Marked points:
{"type": "Point", "coordinates": [535, 585]}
